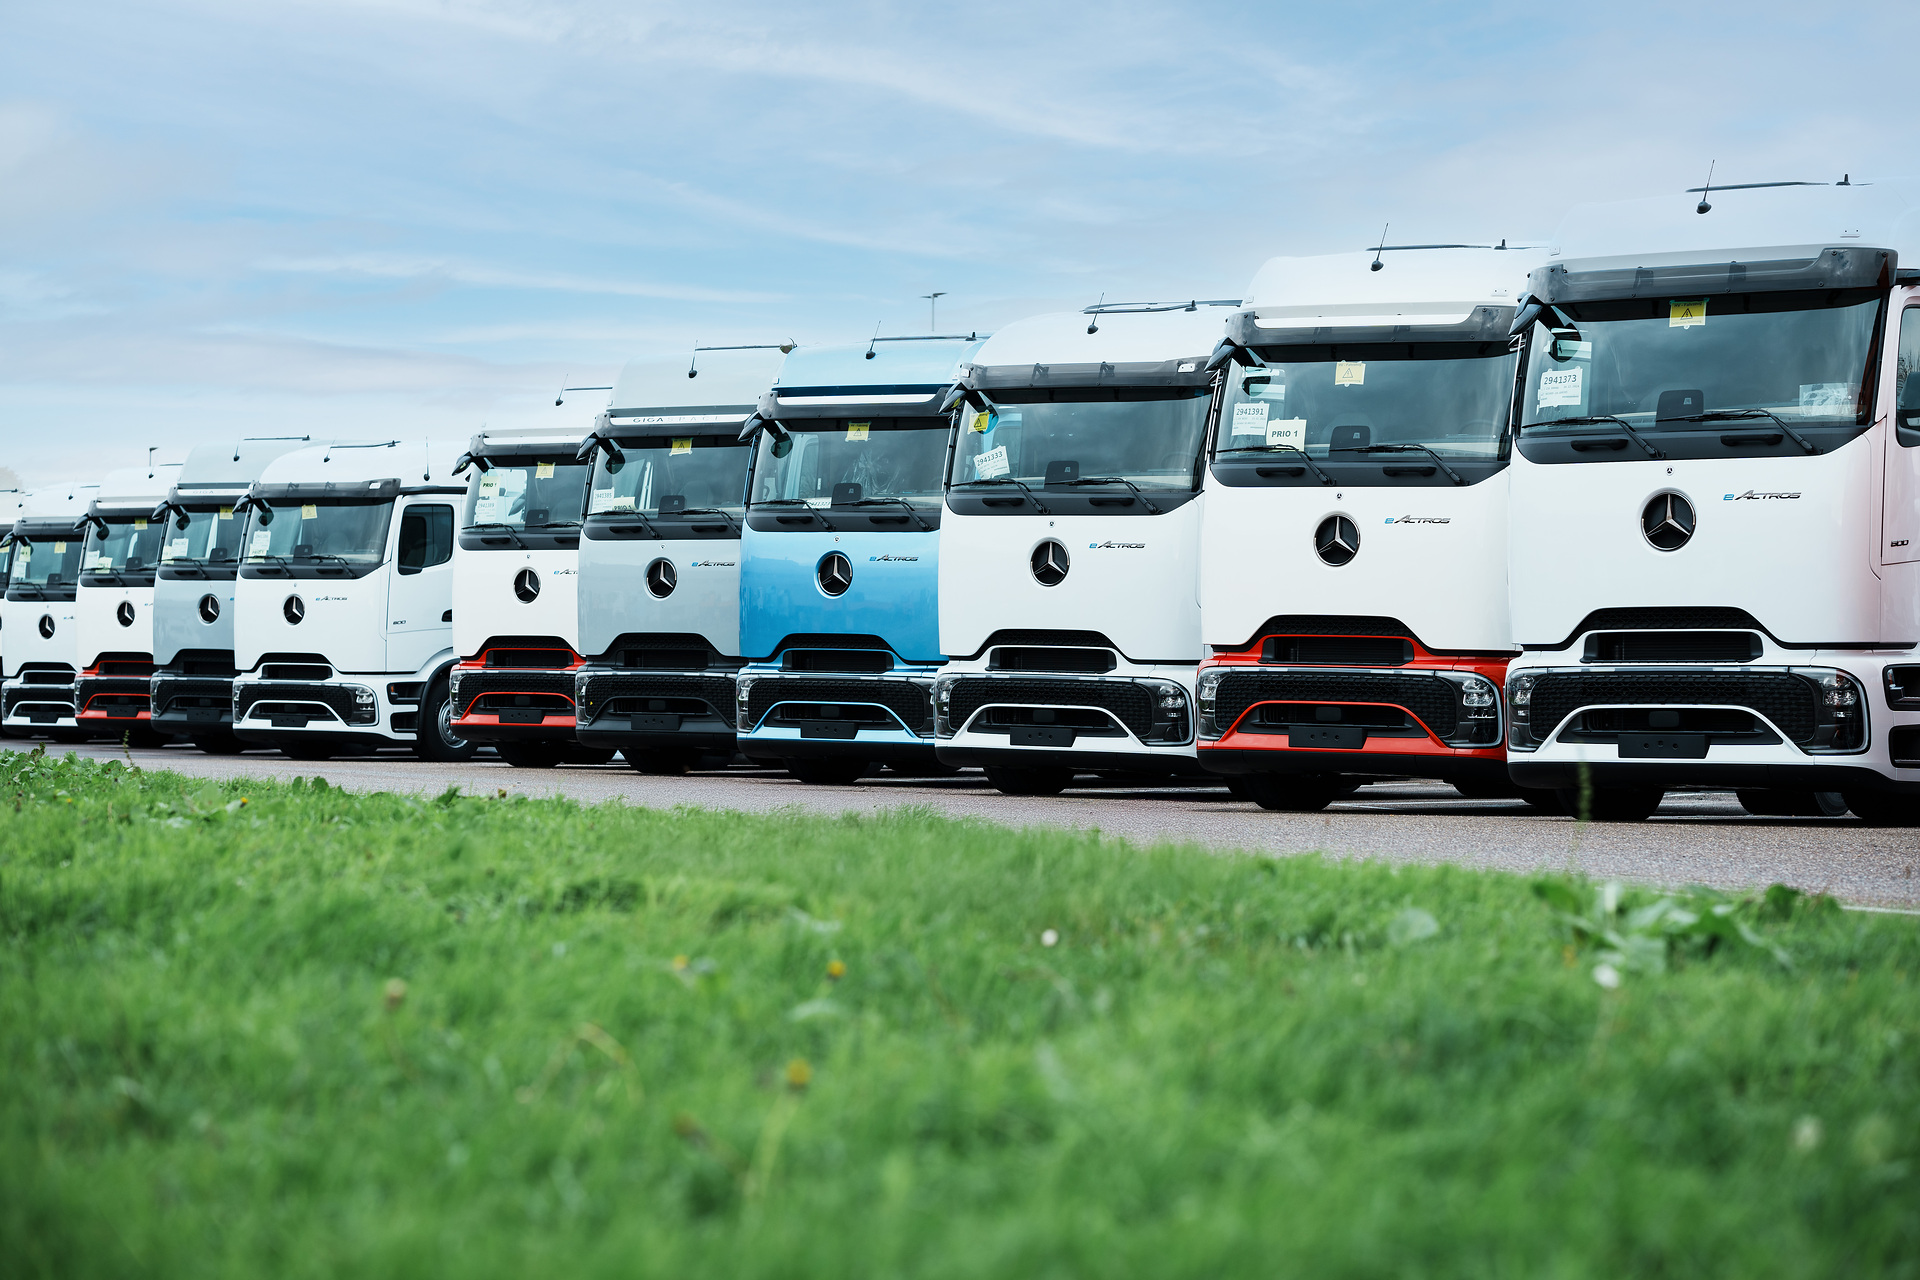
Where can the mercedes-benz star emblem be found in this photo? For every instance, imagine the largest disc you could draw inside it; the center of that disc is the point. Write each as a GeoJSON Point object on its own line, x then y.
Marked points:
{"type": "Point", "coordinates": [124, 613]}
{"type": "Point", "coordinates": [834, 573]}
{"type": "Point", "coordinates": [662, 578]}
{"type": "Point", "coordinates": [1667, 521]}
{"type": "Point", "coordinates": [1049, 563]}
{"type": "Point", "coordinates": [209, 610]}
{"type": "Point", "coordinates": [46, 626]}
{"type": "Point", "coordinates": [294, 610]}
{"type": "Point", "coordinates": [526, 585]}
{"type": "Point", "coordinates": [1337, 540]}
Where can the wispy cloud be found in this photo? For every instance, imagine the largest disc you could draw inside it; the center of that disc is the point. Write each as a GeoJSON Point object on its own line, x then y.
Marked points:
{"type": "Point", "coordinates": [407, 267]}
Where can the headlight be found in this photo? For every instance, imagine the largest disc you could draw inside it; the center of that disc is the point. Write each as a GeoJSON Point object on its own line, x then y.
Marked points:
{"type": "Point", "coordinates": [1171, 723]}
{"type": "Point", "coordinates": [1843, 713]}
{"type": "Point", "coordinates": [1519, 707]}
{"type": "Point", "coordinates": [1205, 689]}
{"type": "Point", "coordinates": [942, 700]}
{"type": "Point", "coordinates": [365, 705]}
{"type": "Point", "coordinates": [742, 686]}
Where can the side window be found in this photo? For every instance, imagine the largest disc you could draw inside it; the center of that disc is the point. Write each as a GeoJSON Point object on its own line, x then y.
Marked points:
{"type": "Point", "coordinates": [1906, 387]}
{"type": "Point", "coordinates": [426, 537]}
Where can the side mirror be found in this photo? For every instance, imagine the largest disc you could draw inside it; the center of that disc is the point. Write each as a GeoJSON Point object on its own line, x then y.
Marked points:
{"type": "Point", "coordinates": [1230, 351]}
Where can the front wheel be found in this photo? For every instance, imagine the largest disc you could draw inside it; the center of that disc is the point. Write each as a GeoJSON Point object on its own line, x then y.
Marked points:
{"type": "Point", "coordinates": [828, 773]}
{"type": "Point", "coordinates": [1029, 782]}
{"type": "Point", "coordinates": [436, 738]}
{"type": "Point", "coordinates": [1613, 804]}
{"type": "Point", "coordinates": [1884, 808]}
{"type": "Point", "coordinates": [1291, 793]}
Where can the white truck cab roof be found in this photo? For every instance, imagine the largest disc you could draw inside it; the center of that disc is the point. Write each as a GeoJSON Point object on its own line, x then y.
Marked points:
{"type": "Point", "coordinates": [134, 489]}
{"type": "Point", "coordinates": [1343, 290]}
{"type": "Point", "coordinates": [723, 385]}
{"type": "Point", "coordinates": [1116, 337]}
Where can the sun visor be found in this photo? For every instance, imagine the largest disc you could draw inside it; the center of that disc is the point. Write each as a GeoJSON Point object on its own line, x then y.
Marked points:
{"type": "Point", "coordinates": [1481, 324]}
{"type": "Point", "coordinates": [798, 404]}
{"type": "Point", "coordinates": [338, 490]}
{"type": "Point", "coordinates": [621, 424]}
{"type": "Point", "coordinates": [1852, 267]}
{"type": "Point", "coordinates": [1187, 371]}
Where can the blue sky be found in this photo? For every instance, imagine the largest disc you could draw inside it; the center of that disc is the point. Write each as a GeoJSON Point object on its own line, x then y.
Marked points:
{"type": "Point", "coordinates": [411, 217]}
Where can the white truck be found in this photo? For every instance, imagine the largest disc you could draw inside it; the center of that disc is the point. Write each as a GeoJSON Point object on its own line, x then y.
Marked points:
{"type": "Point", "coordinates": [516, 610]}
{"type": "Point", "coordinates": [11, 501]}
{"type": "Point", "coordinates": [1353, 567]}
{"type": "Point", "coordinates": [113, 616]}
{"type": "Point", "coordinates": [343, 613]}
{"type": "Point", "coordinates": [1069, 548]}
{"type": "Point", "coordinates": [1716, 503]}
{"type": "Point", "coordinates": [192, 685]}
{"type": "Point", "coordinates": [660, 559]}
{"type": "Point", "coordinates": [37, 665]}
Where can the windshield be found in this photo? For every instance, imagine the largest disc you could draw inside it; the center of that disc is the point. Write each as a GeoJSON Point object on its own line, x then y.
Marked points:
{"type": "Point", "coordinates": [667, 474]}
{"type": "Point", "coordinates": [526, 493]}
{"type": "Point", "coordinates": [332, 531]}
{"type": "Point", "coordinates": [46, 562]}
{"type": "Point", "coordinates": [212, 536]}
{"type": "Point", "coordinates": [130, 545]}
{"type": "Point", "coordinates": [1150, 436]}
{"type": "Point", "coordinates": [1450, 397]}
{"type": "Point", "coordinates": [852, 460]}
{"type": "Point", "coordinates": [6, 562]}
{"type": "Point", "coordinates": [1806, 357]}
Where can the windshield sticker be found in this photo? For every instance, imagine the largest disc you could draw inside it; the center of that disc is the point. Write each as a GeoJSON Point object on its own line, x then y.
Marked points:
{"type": "Point", "coordinates": [1349, 373]}
{"type": "Point", "coordinates": [1250, 419]}
{"type": "Point", "coordinates": [226, 513]}
{"type": "Point", "coordinates": [59, 548]}
{"type": "Point", "coordinates": [1686, 314]}
{"type": "Point", "coordinates": [139, 524]}
{"type": "Point", "coordinates": [681, 444]}
{"type": "Point", "coordinates": [543, 471]}
{"type": "Point", "coordinates": [1291, 431]}
{"type": "Point", "coordinates": [857, 430]}
{"type": "Point", "coordinates": [1827, 398]}
{"type": "Point", "coordinates": [261, 540]}
{"type": "Point", "coordinates": [310, 511]}
{"type": "Point", "coordinates": [992, 464]}
{"type": "Point", "coordinates": [177, 549]}
{"type": "Point", "coordinates": [1562, 387]}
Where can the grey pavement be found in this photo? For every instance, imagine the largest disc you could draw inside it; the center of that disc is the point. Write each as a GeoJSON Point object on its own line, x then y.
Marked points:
{"type": "Point", "coordinates": [1697, 837]}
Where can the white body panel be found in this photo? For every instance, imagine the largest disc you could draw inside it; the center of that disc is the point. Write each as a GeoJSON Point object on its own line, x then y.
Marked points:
{"type": "Point", "coordinates": [41, 633]}
{"type": "Point", "coordinates": [101, 624]}
{"type": "Point", "coordinates": [484, 602]}
{"type": "Point", "coordinates": [614, 599]}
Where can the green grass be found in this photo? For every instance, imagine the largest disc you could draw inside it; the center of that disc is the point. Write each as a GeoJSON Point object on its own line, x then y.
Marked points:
{"type": "Point", "coordinates": [324, 1034]}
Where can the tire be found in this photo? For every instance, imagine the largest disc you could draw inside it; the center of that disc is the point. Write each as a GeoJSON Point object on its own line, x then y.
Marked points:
{"type": "Point", "coordinates": [660, 761]}
{"type": "Point", "coordinates": [1774, 802]}
{"type": "Point", "coordinates": [1614, 804]}
{"type": "Point", "coordinates": [1029, 782]}
{"type": "Point", "coordinates": [934, 770]}
{"type": "Point", "coordinates": [530, 755]}
{"type": "Point", "coordinates": [1476, 789]}
{"type": "Point", "coordinates": [1236, 784]}
{"type": "Point", "coordinates": [828, 773]}
{"type": "Point", "coordinates": [219, 744]}
{"type": "Point", "coordinates": [577, 754]}
{"type": "Point", "coordinates": [1884, 808]}
{"type": "Point", "coordinates": [1292, 793]}
{"type": "Point", "coordinates": [1541, 798]}
{"type": "Point", "coordinates": [436, 739]}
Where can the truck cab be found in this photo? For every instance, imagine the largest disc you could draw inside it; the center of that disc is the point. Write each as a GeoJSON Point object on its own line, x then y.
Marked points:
{"type": "Point", "coordinates": [343, 611]}
{"type": "Point", "coordinates": [516, 609]}
{"type": "Point", "coordinates": [38, 663]}
{"type": "Point", "coordinates": [113, 617]}
{"type": "Point", "coordinates": [1716, 503]}
{"type": "Point", "coordinates": [840, 559]}
{"type": "Point", "coordinates": [1353, 566]}
{"type": "Point", "coordinates": [660, 559]}
{"type": "Point", "coordinates": [1069, 547]}
{"type": "Point", "coordinates": [11, 501]}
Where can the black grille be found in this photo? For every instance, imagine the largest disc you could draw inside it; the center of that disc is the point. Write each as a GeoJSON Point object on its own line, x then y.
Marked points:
{"type": "Point", "coordinates": [1666, 619]}
{"type": "Point", "coordinates": [910, 702]}
{"type": "Point", "coordinates": [43, 695]}
{"type": "Point", "coordinates": [296, 671]}
{"type": "Point", "coordinates": [1787, 700]}
{"type": "Point", "coordinates": [335, 697]}
{"type": "Point", "coordinates": [172, 696]}
{"type": "Point", "coordinates": [114, 695]}
{"type": "Point", "coordinates": [1673, 646]}
{"type": "Point", "coordinates": [477, 684]}
{"type": "Point", "coordinates": [547, 658]}
{"type": "Point", "coordinates": [1083, 639]}
{"type": "Point", "coordinates": [1053, 658]}
{"type": "Point", "coordinates": [837, 660]}
{"type": "Point", "coordinates": [1428, 697]}
{"type": "Point", "coordinates": [1344, 651]}
{"type": "Point", "coordinates": [1130, 704]}
{"type": "Point", "coordinates": [601, 689]}
{"type": "Point", "coordinates": [1332, 624]}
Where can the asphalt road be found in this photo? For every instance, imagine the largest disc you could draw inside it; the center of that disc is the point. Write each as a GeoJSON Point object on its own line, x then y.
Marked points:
{"type": "Point", "coordinates": [1696, 838]}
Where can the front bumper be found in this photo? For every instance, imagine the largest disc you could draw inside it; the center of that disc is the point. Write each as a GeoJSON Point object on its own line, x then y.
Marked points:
{"type": "Point", "coordinates": [1134, 720]}
{"type": "Point", "coordinates": [648, 709]}
{"type": "Point", "coordinates": [373, 709]}
{"type": "Point", "coordinates": [37, 707]}
{"type": "Point", "coordinates": [814, 715]}
{"type": "Point", "coordinates": [109, 702]}
{"type": "Point", "coordinates": [191, 704]}
{"type": "Point", "coordinates": [514, 704]}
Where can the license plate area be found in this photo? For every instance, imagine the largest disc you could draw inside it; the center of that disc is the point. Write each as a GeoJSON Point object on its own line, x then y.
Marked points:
{"type": "Point", "coordinates": [1040, 735]}
{"type": "Point", "coordinates": [655, 722]}
{"type": "Point", "coordinates": [1335, 737]}
{"type": "Point", "coordinates": [828, 729]}
{"type": "Point", "coordinates": [1663, 746]}
{"type": "Point", "coordinates": [522, 715]}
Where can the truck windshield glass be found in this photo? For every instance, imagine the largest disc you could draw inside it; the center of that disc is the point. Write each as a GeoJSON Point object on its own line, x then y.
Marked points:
{"type": "Point", "coordinates": [1151, 436]}
{"type": "Point", "coordinates": [329, 530]}
{"type": "Point", "coordinates": [527, 493]}
{"type": "Point", "coordinates": [851, 460]}
{"type": "Point", "coordinates": [1805, 357]}
{"type": "Point", "coordinates": [662, 475]}
{"type": "Point", "coordinates": [1450, 397]}
{"type": "Point", "coordinates": [6, 563]}
{"type": "Point", "coordinates": [46, 562]}
{"type": "Point", "coordinates": [130, 545]}
{"type": "Point", "coordinates": [212, 536]}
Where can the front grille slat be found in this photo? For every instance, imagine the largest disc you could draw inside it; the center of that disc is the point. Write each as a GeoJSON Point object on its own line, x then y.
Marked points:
{"type": "Point", "coordinates": [171, 694]}
{"type": "Point", "coordinates": [336, 698]}
{"type": "Point", "coordinates": [1429, 698]}
{"type": "Point", "coordinates": [908, 701]}
{"type": "Point", "coordinates": [600, 688]}
{"type": "Point", "coordinates": [479, 684]}
{"type": "Point", "coordinates": [1782, 697]}
{"type": "Point", "coordinates": [1131, 704]}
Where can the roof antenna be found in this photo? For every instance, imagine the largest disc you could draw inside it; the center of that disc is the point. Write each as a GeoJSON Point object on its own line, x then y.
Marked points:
{"type": "Point", "coordinates": [1093, 325]}
{"type": "Point", "coordinates": [933, 301]}
{"type": "Point", "coordinates": [1703, 206]}
{"type": "Point", "coordinates": [691, 371]}
{"type": "Point", "coordinates": [1846, 180]}
{"type": "Point", "coordinates": [150, 452]}
{"type": "Point", "coordinates": [1380, 248]}
{"type": "Point", "coordinates": [562, 397]}
{"type": "Point", "coordinates": [875, 338]}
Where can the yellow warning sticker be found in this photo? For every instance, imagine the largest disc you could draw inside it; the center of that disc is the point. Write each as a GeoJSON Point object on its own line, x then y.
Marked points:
{"type": "Point", "coordinates": [857, 430]}
{"type": "Point", "coordinates": [139, 524]}
{"type": "Point", "coordinates": [682, 444]}
{"type": "Point", "coordinates": [1684, 314]}
{"type": "Point", "coordinates": [309, 511]}
{"type": "Point", "coordinates": [59, 548]}
{"type": "Point", "coordinates": [1349, 373]}
{"type": "Point", "coordinates": [983, 422]}
{"type": "Point", "coordinates": [226, 513]}
{"type": "Point", "coordinates": [543, 471]}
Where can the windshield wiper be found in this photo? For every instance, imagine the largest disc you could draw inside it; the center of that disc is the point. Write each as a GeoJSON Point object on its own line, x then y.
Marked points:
{"type": "Point", "coordinates": [881, 502]}
{"type": "Point", "coordinates": [1148, 502]}
{"type": "Point", "coordinates": [556, 524]}
{"type": "Point", "coordinates": [1736, 415]}
{"type": "Point", "coordinates": [284, 564]}
{"type": "Point", "coordinates": [797, 502]}
{"type": "Point", "coordinates": [1622, 423]}
{"type": "Point", "coordinates": [1038, 505]}
{"type": "Point", "coordinates": [709, 511]}
{"type": "Point", "coordinates": [1453, 475]}
{"type": "Point", "coordinates": [501, 525]}
{"type": "Point", "coordinates": [1281, 448]}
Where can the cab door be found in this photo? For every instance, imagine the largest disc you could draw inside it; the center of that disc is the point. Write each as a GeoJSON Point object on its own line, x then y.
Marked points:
{"type": "Point", "coordinates": [420, 590]}
{"type": "Point", "coordinates": [1900, 510]}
